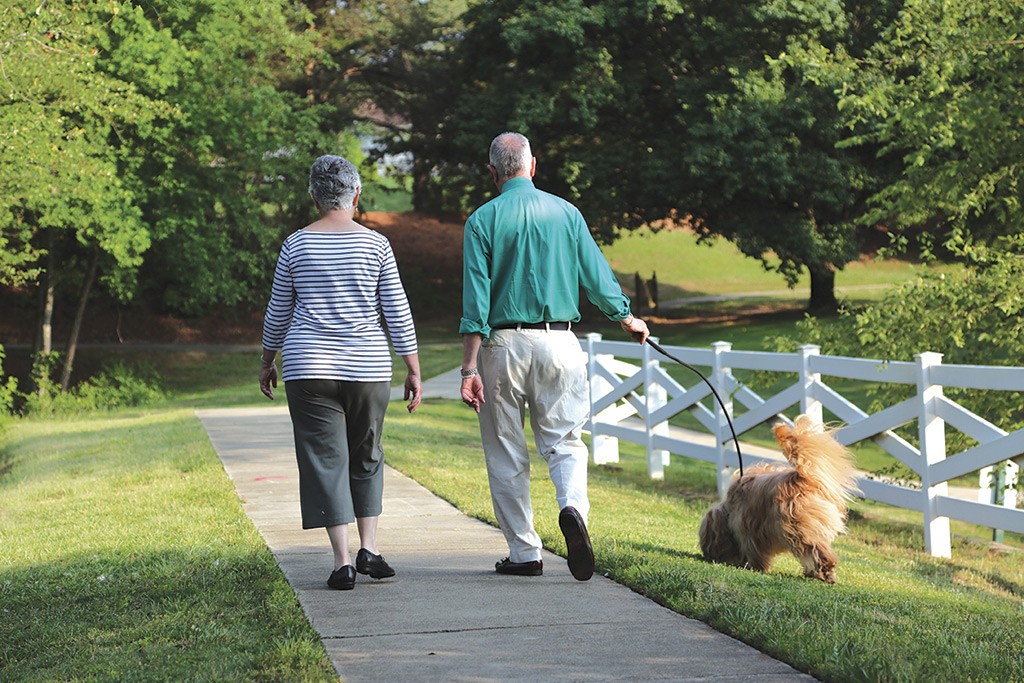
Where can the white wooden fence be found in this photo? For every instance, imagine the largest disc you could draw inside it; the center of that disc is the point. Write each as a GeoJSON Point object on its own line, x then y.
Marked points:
{"type": "Point", "coordinates": [633, 401]}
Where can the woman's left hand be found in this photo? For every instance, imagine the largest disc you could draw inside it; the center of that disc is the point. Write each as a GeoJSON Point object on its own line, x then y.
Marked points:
{"type": "Point", "coordinates": [413, 391]}
{"type": "Point", "coordinates": [268, 379]}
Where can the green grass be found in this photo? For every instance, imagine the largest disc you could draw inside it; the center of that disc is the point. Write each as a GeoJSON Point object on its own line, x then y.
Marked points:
{"type": "Point", "coordinates": [127, 556]}
{"type": "Point", "coordinates": [685, 268]}
{"type": "Point", "coordinates": [895, 614]}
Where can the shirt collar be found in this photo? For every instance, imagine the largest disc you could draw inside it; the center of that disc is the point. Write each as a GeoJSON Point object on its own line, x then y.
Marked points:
{"type": "Point", "coordinates": [518, 181]}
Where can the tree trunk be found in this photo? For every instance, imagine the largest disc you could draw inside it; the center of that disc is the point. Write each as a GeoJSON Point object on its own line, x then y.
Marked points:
{"type": "Point", "coordinates": [823, 288]}
{"type": "Point", "coordinates": [76, 326]}
{"type": "Point", "coordinates": [45, 346]}
{"type": "Point", "coordinates": [44, 330]}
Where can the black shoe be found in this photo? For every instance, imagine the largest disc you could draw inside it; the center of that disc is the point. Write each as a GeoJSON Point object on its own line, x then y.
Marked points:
{"type": "Point", "coordinates": [374, 565]}
{"type": "Point", "coordinates": [577, 541]}
{"type": "Point", "coordinates": [343, 579]}
{"type": "Point", "coordinates": [507, 566]}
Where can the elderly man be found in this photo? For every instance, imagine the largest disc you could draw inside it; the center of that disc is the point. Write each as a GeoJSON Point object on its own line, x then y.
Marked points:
{"type": "Point", "coordinates": [527, 255]}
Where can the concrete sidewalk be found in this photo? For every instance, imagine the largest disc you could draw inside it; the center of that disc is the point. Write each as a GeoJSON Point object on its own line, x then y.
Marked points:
{"type": "Point", "coordinates": [447, 616]}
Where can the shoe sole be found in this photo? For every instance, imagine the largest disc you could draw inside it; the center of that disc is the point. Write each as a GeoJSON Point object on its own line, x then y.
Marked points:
{"type": "Point", "coordinates": [375, 575]}
{"type": "Point", "coordinates": [577, 542]}
{"type": "Point", "coordinates": [364, 568]}
{"type": "Point", "coordinates": [525, 572]}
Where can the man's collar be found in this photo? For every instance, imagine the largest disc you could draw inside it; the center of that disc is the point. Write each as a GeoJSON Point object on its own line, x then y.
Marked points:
{"type": "Point", "coordinates": [518, 181]}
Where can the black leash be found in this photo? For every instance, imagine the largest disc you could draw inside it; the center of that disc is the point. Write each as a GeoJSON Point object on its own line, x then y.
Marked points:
{"type": "Point", "coordinates": [657, 347]}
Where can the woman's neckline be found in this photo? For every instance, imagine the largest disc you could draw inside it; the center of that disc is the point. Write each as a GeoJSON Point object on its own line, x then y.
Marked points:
{"type": "Point", "coordinates": [336, 231]}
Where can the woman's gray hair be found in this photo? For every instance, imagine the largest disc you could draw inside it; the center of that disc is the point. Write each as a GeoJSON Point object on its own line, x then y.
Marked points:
{"type": "Point", "coordinates": [510, 155]}
{"type": "Point", "coordinates": [333, 182]}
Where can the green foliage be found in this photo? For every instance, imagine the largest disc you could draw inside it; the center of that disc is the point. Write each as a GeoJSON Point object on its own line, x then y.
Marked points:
{"type": "Point", "coordinates": [8, 395]}
{"type": "Point", "coordinates": [60, 187]}
{"type": "Point", "coordinates": [385, 64]}
{"type": "Point", "coordinates": [941, 95]}
{"type": "Point", "coordinates": [722, 118]}
{"type": "Point", "coordinates": [119, 385]}
{"type": "Point", "coordinates": [220, 182]}
{"type": "Point", "coordinates": [973, 316]}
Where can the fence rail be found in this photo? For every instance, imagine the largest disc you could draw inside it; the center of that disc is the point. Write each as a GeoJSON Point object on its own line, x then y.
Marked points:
{"type": "Point", "coordinates": [632, 398]}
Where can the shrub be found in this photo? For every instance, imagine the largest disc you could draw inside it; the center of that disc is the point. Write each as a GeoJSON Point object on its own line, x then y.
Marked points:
{"type": "Point", "coordinates": [116, 386]}
{"type": "Point", "coordinates": [973, 317]}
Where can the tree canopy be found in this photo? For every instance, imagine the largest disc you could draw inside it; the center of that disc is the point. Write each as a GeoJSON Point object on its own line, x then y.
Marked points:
{"type": "Point", "coordinates": [59, 117]}
{"type": "Point", "coordinates": [681, 111]}
{"type": "Point", "coordinates": [941, 95]}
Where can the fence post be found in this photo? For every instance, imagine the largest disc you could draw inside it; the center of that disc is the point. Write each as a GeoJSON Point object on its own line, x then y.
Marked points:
{"type": "Point", "coordinates": [655, 397]}
{"type": "Point", "coordinates": [723, 440]}
{"type": "Point", "coordinates": [809, 405]}
{"type": "Point", "coordinates": [997, 484]}
{"type": "Point", "coordinates": [603, 449]}
{"type": "Point", "coordinates": [932, 434]}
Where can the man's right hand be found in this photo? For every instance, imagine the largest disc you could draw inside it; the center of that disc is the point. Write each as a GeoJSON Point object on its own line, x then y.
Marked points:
{"type": "Point", "coordinates": [636, 327]}
{"type": "Point", "coordinates": [473, 392]}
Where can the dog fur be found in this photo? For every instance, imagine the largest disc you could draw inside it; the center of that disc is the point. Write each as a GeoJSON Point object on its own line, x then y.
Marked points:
{"type": "Point", "coordinates": [775, 508]}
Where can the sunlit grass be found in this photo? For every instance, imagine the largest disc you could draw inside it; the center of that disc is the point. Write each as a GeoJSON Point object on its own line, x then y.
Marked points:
{"type": "Point", "coordinates": [895, 614]}
{"type": "Point", "coordinates": [127, 556]}
{"type": "Point", "coordinates": [685, 268]}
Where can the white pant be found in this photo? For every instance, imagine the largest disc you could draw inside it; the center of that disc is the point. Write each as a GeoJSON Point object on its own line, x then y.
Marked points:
{"type": "Point", "coordinates": [548, 372]}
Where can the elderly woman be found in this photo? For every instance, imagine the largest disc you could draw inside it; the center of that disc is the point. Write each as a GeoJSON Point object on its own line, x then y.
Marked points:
{"type": "Point", "coordinates": [334, 284]}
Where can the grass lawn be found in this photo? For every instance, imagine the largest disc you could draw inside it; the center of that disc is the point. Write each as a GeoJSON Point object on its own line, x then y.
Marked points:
{"type": "Point", "coordinates": [895, 614]}
{"type": "Point", "coordinates": [127, 556]}
{"type": "Point", "coordinates": [685, 268]}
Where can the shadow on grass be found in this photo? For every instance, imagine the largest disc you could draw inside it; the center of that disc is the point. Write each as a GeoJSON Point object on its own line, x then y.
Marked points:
{"type": "Point", "coordinates": [157, 616]}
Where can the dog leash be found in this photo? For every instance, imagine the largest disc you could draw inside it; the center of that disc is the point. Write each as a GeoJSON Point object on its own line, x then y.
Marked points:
{"type": "Point", "coordinates": [657, 347]}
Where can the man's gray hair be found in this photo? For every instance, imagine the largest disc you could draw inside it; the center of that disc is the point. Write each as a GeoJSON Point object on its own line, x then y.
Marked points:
{"type": "Point", "coordinates": [333, 182]}
{"type": "Point", "coordinates": [510, 155]}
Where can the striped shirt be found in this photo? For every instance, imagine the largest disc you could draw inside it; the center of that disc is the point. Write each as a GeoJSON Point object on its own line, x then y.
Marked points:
{"type": "Point", "coordinates": [330, 293]}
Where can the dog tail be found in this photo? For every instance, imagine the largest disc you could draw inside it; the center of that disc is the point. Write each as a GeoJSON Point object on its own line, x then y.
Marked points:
{"type": "Point", "coordinates": [818, 457]}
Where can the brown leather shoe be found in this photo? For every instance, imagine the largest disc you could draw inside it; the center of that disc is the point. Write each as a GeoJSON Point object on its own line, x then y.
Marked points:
{"type": "Point", "coordinates": [577, 541]}
{"type": "Point", "coordinates": [507, 566]}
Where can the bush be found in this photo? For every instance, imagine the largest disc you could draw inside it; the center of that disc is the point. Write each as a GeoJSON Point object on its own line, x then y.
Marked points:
{"type": "Point", "coordinates": [972, 317]}
{"type": "Point", "coordinates": [116, 386]}
{"type": "Point", "coordinates": [8, 392]}
{"type": "Point", "coordinates": [8, 389]}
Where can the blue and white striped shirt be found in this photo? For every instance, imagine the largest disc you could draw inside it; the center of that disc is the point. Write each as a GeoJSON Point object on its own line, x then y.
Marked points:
{"type": "Point", "coordinates": [330, 292]}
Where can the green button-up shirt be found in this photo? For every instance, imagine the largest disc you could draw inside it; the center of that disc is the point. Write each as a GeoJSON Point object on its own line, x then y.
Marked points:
{"type": "Point", "coordinates": [526, 255]}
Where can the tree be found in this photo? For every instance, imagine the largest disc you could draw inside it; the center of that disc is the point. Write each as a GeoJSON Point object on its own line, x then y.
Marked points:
{"type": "Point", "coordinates": [61, 197]}
{"type": "Point", "coordinates": [670, 110]}
{"type": "Point", "coordinates": [941, 95]}
{"type": "Point", "coordinates": [154, 128]}
{"type": "Point", "coordinates": [220, 183]}
{"type": "Point", "coordinates": [376, 69]}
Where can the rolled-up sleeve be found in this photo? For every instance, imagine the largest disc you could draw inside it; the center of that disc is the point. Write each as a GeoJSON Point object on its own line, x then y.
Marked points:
{"type": "Point", "coordinates": [476, 283]}
{"type": "Point", "coordinates": [282, 304]}
{"type": "Point", "coordinates": [597, 277]}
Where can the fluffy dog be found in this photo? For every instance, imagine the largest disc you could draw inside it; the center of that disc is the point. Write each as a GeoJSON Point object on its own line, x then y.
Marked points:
{"type": "Point", "coordinates": [774, 508]}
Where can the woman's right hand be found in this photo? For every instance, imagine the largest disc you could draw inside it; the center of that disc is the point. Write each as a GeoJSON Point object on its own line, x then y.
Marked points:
{"type": "Point", "coordinates": [268, 380]}
{"type": "Point", "coordinates": [413, 391]}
